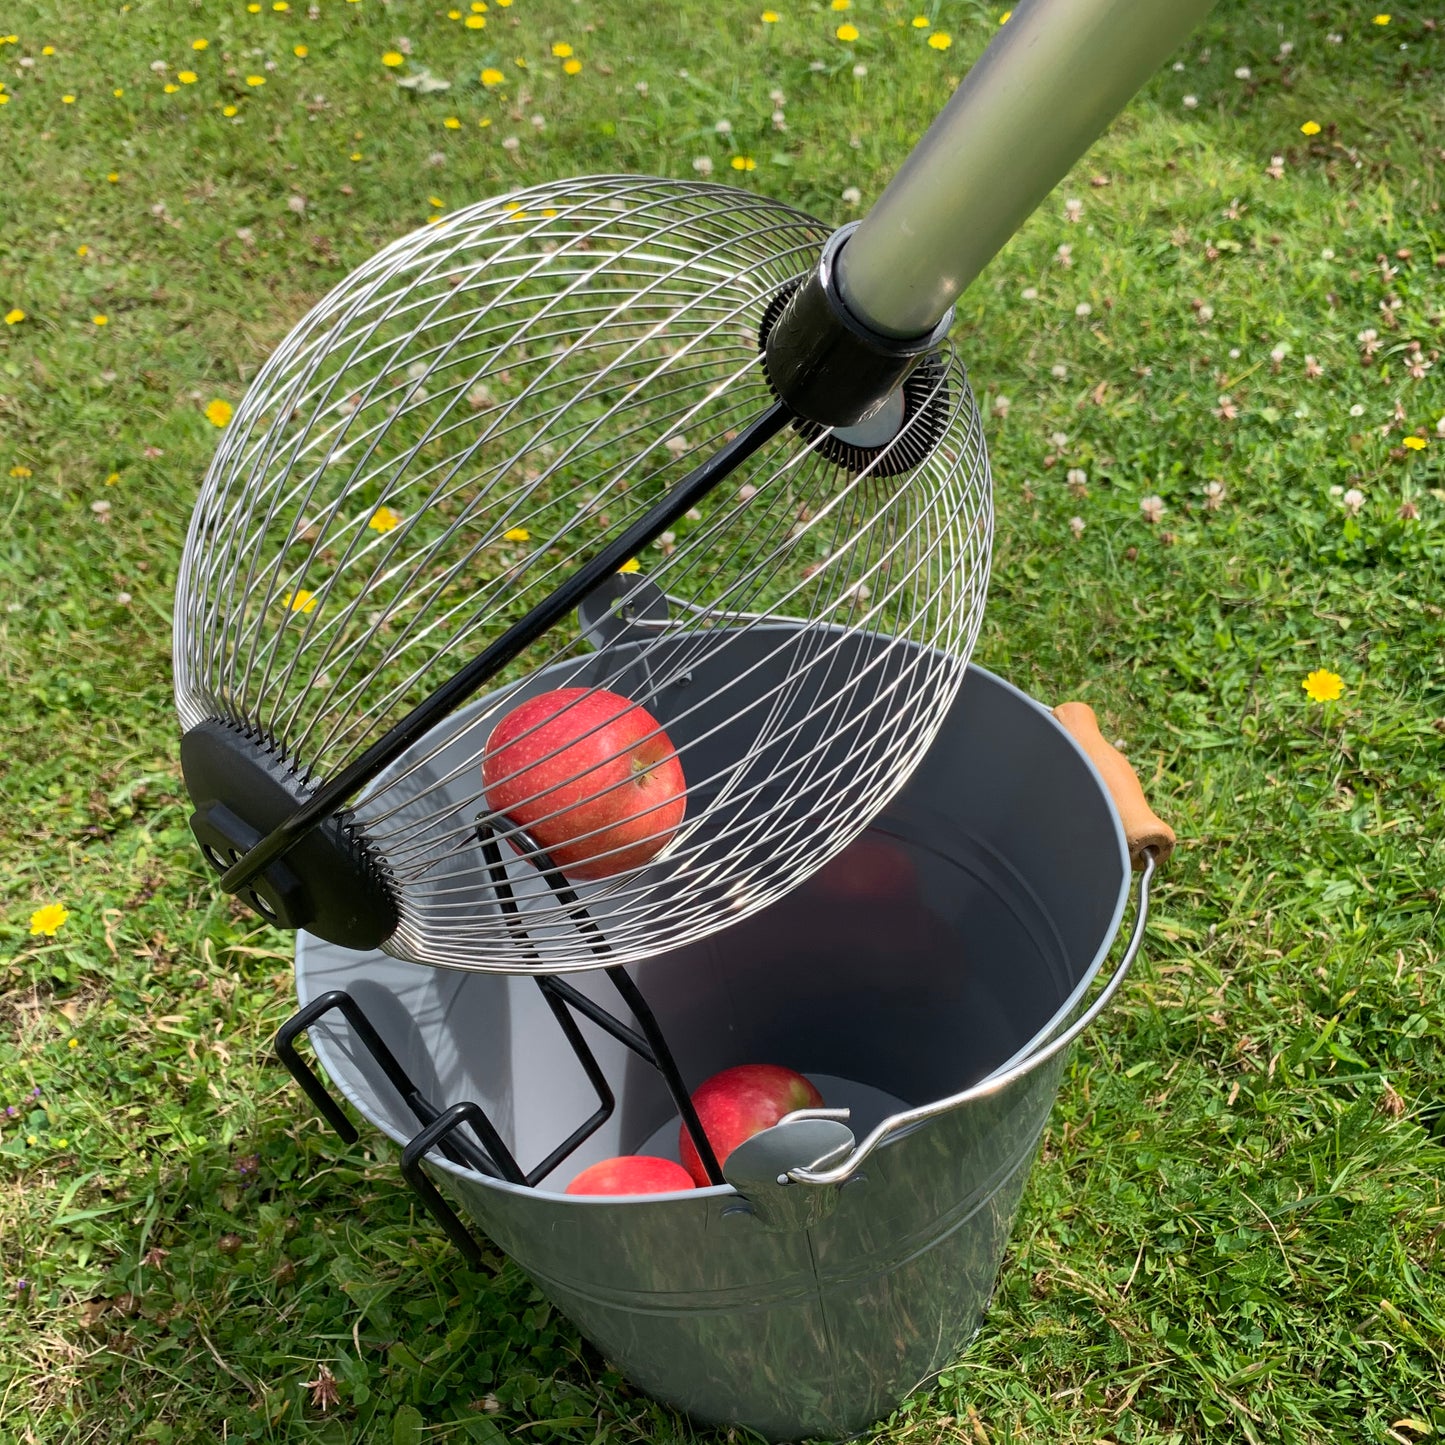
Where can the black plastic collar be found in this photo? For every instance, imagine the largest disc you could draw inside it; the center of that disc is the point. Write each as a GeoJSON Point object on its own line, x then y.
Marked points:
{"type": "Point", "coordinates": [825, 364]}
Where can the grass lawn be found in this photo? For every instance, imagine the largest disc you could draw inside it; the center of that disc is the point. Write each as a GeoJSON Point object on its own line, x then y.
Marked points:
{"type": "Point", "coordinates": [1216, 413]}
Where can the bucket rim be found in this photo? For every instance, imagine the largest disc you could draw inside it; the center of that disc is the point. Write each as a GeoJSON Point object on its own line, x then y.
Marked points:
{"type": "Point", "coordinates": [1058, 1020]}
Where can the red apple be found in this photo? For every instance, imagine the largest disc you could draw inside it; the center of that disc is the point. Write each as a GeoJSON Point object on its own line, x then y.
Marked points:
{"type": "Point", "coordinates": [590, 775]}
{"type": "Point", "coordinates": [740, 1102]}
{"type": "Point", "coordinates": [631, 1174]}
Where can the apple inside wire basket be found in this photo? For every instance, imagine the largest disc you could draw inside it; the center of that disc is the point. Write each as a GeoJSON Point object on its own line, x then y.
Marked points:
{"type": "Point", "coordinates": [591, 777]}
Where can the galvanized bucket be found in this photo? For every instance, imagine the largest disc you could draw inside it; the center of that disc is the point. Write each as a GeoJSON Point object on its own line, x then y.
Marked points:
{"type": "Point", "coordinates": [929, 980]}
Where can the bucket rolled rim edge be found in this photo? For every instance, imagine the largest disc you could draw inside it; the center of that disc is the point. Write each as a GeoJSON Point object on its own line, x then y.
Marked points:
{"type": "Point", "coordinates": [321, 1046]}
{"type": "Point", "coordinates": [1059, 1018]}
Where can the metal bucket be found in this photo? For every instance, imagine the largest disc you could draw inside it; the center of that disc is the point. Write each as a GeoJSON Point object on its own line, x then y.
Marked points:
{"type": "Point", "coordinates": [929, 980]}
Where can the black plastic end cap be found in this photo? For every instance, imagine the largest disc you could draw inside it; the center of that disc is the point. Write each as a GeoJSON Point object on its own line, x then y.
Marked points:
{"type": "Point", "coordinates": [330, 883]}
{"type": "Point", "coordinates": [824, 363]}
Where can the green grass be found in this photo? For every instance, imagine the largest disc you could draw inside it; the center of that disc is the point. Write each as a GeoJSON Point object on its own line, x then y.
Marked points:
{"type": "Point", "coordinates": [1234, 1230]}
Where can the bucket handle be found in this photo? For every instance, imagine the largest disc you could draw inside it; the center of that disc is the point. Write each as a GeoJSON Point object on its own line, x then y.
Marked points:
{"type": "Point", "coordinates": [1149, 840]}
{"type": "Point", "coordinates": [1144, 830]}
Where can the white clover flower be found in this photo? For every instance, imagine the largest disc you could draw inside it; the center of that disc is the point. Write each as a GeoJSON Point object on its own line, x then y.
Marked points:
{"type": "Point", "coordinates": [1354, 500]}
{"type": "Point", "coordinates": [852, 196]}
{"type": "Point", "coordinates": [1076, 526]}
{"type": "Point", "coordinates": [702, 165]}
{"type": "Point", "coordinates": [1190, 102]}
{"type": "Point", "coordinates": [1152, 508]}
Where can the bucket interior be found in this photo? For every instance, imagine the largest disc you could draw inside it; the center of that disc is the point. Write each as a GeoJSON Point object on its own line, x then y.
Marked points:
{"type": "Point", "coordinates": [940, 946]}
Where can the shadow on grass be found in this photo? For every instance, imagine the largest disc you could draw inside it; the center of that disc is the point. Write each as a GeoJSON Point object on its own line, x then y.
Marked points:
{"type": "Point", "coordinates": [298, 1292]}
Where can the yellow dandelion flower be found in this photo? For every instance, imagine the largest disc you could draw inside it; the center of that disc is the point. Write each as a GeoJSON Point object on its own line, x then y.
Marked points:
{"type": "Point", "coordinates": [632, 564]}
{"type": "Point", "coordinates": [254, 80]}
{"type": "Point", "coordinates": [940, 40]}
{"type": "Point", "coordinates": [50, 49]}
{"type": "Point", "coordinates": [1416, 444]}
{"type": "Point", "coordinates": [1005, 17]}
{"type": "Point", "coordinates": [505, 4]}
{"type": "Point", "coordinates": [1311, 127]}
{"type": "Point", "coordinates": [476, 22]}
{"type": "Point", "coordinates": [112, 479]}
{"type": "Point", "coordinates": [67, 100]}
{"type": "Point", "coordinates": [19, 470]}
{"type": "Point", "coordinates": [229, 110]}
{"type": "Point", "coordinates": [485, 121]}
{"type": "Point", "coordinates": [743, 163]}
{"type": "Point", "coordinates": [921, 22]}
{"type": "Point", "coordinates": [47, 920]}
{"type": "Point", "coordinates": [393, 58]}
{"type": "Point", "coordinates": [169, 88]}
{"type": "Point", "coordinates": [491, 77]}
{"type": "Point", "coordinates": [1323, 686]}
{"type": "Point", "coordinates": [452, 123]}
{"type": "Point", "coordinates": [516, 534]}
{"type": "Point", "coordinates": [561, 49]}
{"type": "Point", "coordinates": [201, 44]}
{"type": "Point", "coordinates": [219, 412]}
{"type": "Point", "coordinates": [82, 250]}
{"type": "Point", "coordinates": [478, 7]}
{"type": "Point", "coordinates": [188, 77]}
{"type": "Point", "coordinates": [14, 316]}
{"type": "Point", "coordinates": [770, 17]}
{"type": "Point", "coordinates": [300, 52]}
{"type": "Point", "coordinates": [841, 4]}
{"type": "Point", "coordinates": [383, 519]}
{"type": "Point", "coordinates": [31, 1140]}
{"type": "Point", "coordinates": [300, 601]}
{"type": "Point", "coordinates": [847, 33]}
{"type": "Point", "coordinates": [100, 320]}
{"type": "Point", "coordinates": [454, 14]}
{"type": "Point", "coordinates": [118, 92]}
{"type": "Point", "coordinates": [1381, 20]}
{"type": "Point", "coordinates": [356, 155]}
{"type": "Point", "coordinates": [73, 1044]}
{"type": "Point", "coordinates": [435, 201]}
{"type": "Point", "coordinates": [280, 6]}
{"type": "Point", "coordinates": [572, 66]}
{"type": "Point", "coordinates": [4, 99]}
{"type": "Point", "coordinates": [112, 176]}
{"type": "Point", "coordinates": [253, 9]}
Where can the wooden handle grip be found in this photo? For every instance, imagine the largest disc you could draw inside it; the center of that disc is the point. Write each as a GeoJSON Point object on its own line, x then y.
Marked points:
{"type": "Point", "coordinates": [1142, 828]}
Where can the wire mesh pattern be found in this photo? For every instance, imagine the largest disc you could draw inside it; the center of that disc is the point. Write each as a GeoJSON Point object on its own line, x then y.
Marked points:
{"type": "Point", "coordinates": [466, 418]}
